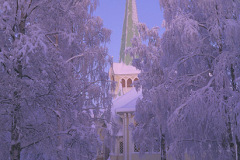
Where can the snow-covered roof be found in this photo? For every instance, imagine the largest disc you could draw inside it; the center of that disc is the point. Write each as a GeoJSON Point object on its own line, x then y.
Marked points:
{"type": "Point", "coordinates": [121, 68]}
{"type": "Point", "coordinates": [127, 102]}
{"type": "Point", "coordinates": [123, 104]}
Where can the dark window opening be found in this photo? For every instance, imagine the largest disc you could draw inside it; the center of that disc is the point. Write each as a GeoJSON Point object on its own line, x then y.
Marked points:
{"type": "Point", "coordinates": [136, 79]}
{"type": "Point", "coordinates": [123, 83]}
{"type": "Point", "coordinates": [129, 83]}
{"type": "Point", "coordinates": [121, 147]}
{"type": "Point", "coordinates": [136, 149]}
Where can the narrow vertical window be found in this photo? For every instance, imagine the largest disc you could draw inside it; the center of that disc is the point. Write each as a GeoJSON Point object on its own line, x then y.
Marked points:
{"type": "Point", "coordinates": [123, 83]}
{"type": "Point", "coordinates": [121, 147]}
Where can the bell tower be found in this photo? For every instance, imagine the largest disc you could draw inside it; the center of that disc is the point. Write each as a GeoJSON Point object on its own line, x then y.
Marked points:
{"type": "Point", "coordinates": [123, 73]}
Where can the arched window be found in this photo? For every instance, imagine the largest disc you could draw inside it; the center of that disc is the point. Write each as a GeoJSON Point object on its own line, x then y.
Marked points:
{"type": "Point", "coordinates": [123, 83]}
{"type": "Point", "coordinates": [136, 79]}
{"type": "Point", "coordinates": [129, 83]}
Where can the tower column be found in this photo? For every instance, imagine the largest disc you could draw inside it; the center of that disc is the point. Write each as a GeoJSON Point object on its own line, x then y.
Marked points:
{"type": "Point", "coordinates": [130, 147]}
{"type": "Point", "coordinates": [125, 138]}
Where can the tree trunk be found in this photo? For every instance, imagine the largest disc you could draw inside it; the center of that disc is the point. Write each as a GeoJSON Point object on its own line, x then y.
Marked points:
{"type": "Point", "coordinates": [15, 150]}
{"type": "Point", "coordinates": [237, 149]}
{"type": "Point", "coordinates": [15, 135]}
{"type": "Point", "coordinates": [234, 88]}
{"type": "Point", "coordinates": [163, 148]}
{"type": "Point", "coordinates": [230, 136]}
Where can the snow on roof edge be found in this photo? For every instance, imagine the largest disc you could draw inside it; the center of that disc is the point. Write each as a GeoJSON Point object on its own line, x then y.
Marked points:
{"type": "Point", "coordinates": [121, 68]}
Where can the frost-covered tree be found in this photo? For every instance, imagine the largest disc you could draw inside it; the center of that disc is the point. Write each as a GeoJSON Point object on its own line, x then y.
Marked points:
{"type": "Point", "coordinates": [191, 81]}
{"type": "Point", "coordinates": [53, 85]}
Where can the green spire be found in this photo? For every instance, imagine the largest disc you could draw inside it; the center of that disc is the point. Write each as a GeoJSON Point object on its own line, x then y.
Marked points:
{"type": "Point", "coordinates": [129, 30]}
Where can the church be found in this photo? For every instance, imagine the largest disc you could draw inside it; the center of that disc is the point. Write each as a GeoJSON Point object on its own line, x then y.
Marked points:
{"type": "Point", "coordinates": [123, 110]}
{"type": "Point", "coordinates": [125, 94]}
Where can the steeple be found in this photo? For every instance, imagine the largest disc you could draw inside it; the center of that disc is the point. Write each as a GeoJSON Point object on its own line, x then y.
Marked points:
{"type": "Point", "coordinates": [129, 30]}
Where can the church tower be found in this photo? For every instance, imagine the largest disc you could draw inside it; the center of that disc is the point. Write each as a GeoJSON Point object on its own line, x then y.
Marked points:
{"type": "Point", "coordinates": [123, 73]}
{"type": "Point", "coordinates": [125, 96]}
{"type": "Point", "coordinates": [129, 30]}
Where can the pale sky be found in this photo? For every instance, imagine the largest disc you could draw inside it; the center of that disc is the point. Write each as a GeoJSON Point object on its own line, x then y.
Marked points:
{"type": "Point", "coordinates": [112, 13]}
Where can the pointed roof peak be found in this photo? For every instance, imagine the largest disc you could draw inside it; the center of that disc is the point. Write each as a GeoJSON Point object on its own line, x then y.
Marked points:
{"type": "Point", "coordinates": [129, 30]}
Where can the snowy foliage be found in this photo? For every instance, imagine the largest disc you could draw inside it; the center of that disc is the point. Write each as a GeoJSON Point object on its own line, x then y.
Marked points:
{"type": "Point", "coordinates": [53, 85]}
{"type": "Point", "coordinates": [190, 80]}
